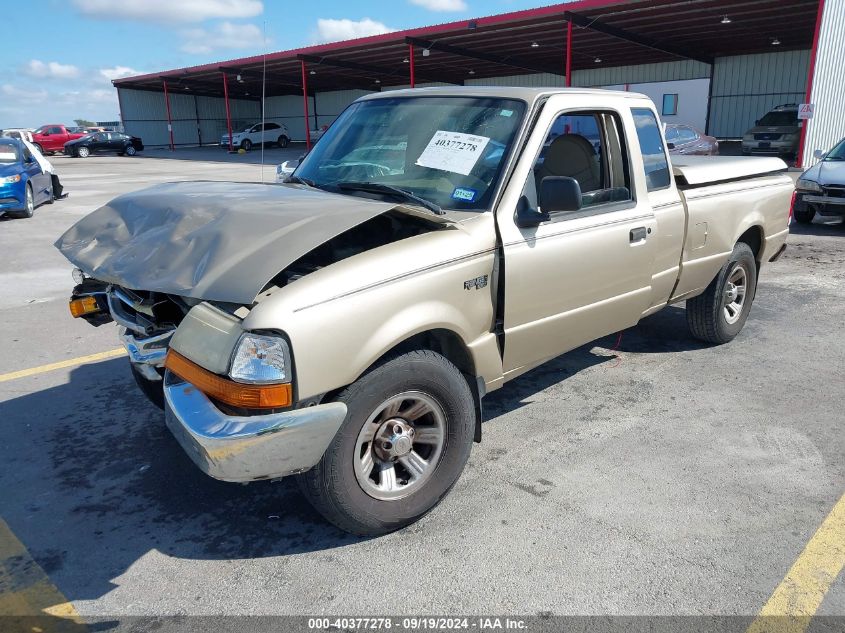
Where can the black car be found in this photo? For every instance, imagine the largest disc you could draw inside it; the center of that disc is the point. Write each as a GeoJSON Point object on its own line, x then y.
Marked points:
{"type": "Point", "coordinates": [104, 142]}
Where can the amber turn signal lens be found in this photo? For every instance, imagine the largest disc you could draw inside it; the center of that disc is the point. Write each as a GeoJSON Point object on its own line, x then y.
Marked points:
{"type": "Point", "coordinates": [82, 306]}
{"type": "Point", "coordinates": [228, 391]}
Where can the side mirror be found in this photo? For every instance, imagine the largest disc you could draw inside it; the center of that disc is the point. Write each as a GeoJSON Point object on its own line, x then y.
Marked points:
{"type": "Point", "coordinates": [818, 154]}
{"type": "Point", "coordinates": [670, 145]}
{"type": "Point", "coordinates": [559, 193]}
{"type": "Point", "coordinates": [45, 133]}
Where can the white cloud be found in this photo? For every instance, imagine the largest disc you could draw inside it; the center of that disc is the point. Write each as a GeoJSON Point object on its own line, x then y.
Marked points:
{"type": "Point", "coordinates": [329, 30]}
{"type": "Point", "coordinates": [441, 5]}
{"type": "Point", "coordinates": [118, 72]}
{"type": "Point", "coordinates": [167, 11]}
{"type": "Point", "coordinates": [53, 70]}
{"type": "Point", "coordinates": [21, 95]}
{"type": "Point", "coordinates": [223, 35]}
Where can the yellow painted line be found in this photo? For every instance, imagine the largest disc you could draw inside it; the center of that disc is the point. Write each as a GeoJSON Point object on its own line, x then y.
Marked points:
{"type": "Point", "coordinates": [27, 597]}
{"type": "Point", "coordinates": [797, 598]}
{"type": "Point", "coordinates": [71, 362]}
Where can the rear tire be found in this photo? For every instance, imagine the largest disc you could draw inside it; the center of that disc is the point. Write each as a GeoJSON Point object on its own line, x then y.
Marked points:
{"type": "Point", "coordinates": [283, 141]}
{"type": "Point", "coordinates": [153, 389]}
{"type": "Point", "coordinates": [364, 490]}
{"type": "Point", "coordinates": [83, 152]}
{"type": "Point", "coordinates": [804, 216]}
{"type": "Point", "coordinates": [719, 313]}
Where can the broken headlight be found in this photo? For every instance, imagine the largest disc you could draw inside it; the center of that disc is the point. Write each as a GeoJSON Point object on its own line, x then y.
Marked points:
{"type": "Point", "coordinates": [261, 359]}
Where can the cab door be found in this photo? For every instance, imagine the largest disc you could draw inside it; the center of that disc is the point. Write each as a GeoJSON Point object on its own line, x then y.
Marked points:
{"type": "Point", "coordinates": [579, 275]}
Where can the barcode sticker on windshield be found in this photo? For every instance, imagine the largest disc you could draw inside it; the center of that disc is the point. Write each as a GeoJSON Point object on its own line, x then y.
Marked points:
{"type": "Point", "coordinates": [453, 151]}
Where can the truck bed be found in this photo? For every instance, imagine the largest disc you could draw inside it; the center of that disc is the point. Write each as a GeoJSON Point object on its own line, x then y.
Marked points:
{"type": "Point", "coordinates": [698, 171]}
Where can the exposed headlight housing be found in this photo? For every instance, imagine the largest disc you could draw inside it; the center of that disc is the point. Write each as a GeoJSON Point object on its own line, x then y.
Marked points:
{"type": "Point", "coordinates": [15, 178]}
{"type": "Point", "coordinates": [261, 359]}
{"type": "Point", "coordinates": [808, 185]}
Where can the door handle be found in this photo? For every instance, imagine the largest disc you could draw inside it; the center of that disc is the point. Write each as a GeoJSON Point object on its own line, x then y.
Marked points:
{"type": "Point", "coordinates": [638, 234]}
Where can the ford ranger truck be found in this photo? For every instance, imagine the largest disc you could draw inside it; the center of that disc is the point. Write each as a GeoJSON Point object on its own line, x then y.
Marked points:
{"type": "Point", "coordinates": [51, 138]}
{"type": "Point", "coordinates": [345, 326]}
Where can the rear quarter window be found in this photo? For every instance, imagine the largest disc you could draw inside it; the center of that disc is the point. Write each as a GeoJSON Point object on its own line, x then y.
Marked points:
{"type": "Point", "coordinates": [651, 147]}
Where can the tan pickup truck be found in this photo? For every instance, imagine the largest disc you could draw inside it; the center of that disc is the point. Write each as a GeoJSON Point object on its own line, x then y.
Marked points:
{"type": "Point", "coordinates": [344, 326]}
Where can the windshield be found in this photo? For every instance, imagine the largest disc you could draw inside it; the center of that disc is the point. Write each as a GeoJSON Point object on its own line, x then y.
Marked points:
{"type": "Point", "coordinates": [784, 118]}
{"type": "Point", "coordinates": [8, 153]}
{"type": "Point", "coordinates": [448, 150]}
{"type": "Point", "coordinates": [837, 153]}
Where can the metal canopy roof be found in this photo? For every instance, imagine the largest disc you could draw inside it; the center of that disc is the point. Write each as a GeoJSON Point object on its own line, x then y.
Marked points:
{"type": "Point", "coordinates": [606, 33]}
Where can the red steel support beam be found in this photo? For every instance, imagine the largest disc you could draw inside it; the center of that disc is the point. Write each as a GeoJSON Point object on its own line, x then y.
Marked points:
{"type": "Point", "coordinates": [799, 159]}
{"type": "Point", "coordinates": [411, 60]}
{"type": "Point", "coordinates": [568, 53]}
{"type": "Point", "coordinates": [169, 120]}
{"type": "Point", "coordinates": [305, 104]}
{"type": "Point", "coordinates": [228, 112]}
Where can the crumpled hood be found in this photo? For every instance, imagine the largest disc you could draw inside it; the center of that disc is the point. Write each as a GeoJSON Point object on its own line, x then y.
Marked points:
{"type": "Point", "coordinates": [828, 172]}
{"type": "Point", "coordinates": [210, 240]}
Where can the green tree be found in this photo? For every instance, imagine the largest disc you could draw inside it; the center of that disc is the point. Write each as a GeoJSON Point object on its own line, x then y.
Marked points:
{"type": "Point", "coordinates": [83, 123]}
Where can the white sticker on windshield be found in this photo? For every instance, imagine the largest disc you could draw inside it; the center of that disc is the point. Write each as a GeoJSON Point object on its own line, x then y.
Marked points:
{"type": "Point", "coordinates": [453, 151]}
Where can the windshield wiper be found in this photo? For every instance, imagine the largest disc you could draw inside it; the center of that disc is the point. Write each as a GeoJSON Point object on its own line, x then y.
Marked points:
{"type": "Point", "coordinates": [296, 180]}
{"type": "Point", "coordinates": [377, 187]}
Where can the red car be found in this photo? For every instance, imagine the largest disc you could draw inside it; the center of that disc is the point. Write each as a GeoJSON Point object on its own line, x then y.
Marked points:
{"type": "Point", "coordinates": [51, 138]}
{"type": "Point", "coordinates": [685, 139]}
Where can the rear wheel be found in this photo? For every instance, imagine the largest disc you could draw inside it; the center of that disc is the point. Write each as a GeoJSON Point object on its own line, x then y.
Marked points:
{"type": "Point", "coordinates": [83, 152]}
{"type": "Point", "coordinates": [153, 389]}
{"type": "Point", "coordinates": [718, 314]}
{"type": "Point", "coordinates": [406, 438]}
{"type": "Point", "coordinates": [283, 141]}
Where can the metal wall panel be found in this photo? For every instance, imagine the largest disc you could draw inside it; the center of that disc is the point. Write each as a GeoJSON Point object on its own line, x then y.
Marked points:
{"type": "Point", "coordinates": [287, 110]}
{"type": "Point", "coordinates": [827, 126]}
{"type": "Point", "coordinates": [195, 119]}
{"type": "Point", "coordinates": [596, 77]}
{"type": "Point", "coordinates": [745, 87]}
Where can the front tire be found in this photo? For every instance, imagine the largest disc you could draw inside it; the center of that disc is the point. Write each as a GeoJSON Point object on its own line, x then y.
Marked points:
{"type": "Point", "coordinates": [719, 313]}
{"type": "Point", "coordinates": [83, 152]}
{"type": "Point", "coordinates": [246, 145]}
{"type": "Point", "coordinates": [405, 441]}
{"type": "Point", "coordinates": [804, 216]}
{"type": "Point", "coordinates": [130, 150]}
{"type": "Point", "coordinates": [29, 205]}
{"type": "Point", "coordinates": [39, 148]}
{"type": "Point", "coordinates": [153, 389]}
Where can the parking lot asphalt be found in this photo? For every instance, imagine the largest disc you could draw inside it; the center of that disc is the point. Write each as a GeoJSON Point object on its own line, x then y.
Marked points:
{"type": "Point", "coordinates": [644, 475]}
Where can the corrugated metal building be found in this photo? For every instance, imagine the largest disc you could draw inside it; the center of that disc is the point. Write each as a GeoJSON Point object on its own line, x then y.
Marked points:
{"type": "Point", "coordinates": [585, 43]}
{"type": "Point", "coordinates": [827, 85]}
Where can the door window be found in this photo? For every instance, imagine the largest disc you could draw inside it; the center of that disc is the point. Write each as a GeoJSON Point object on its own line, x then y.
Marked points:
{"type": "Point", "coordinates": [54, 130]}
{"type": "Point", "coordinates": [589, 147]}
{"type": "Point", "coordinates": [272, 126]}
{"type": "Point", "coordinates": [651, 147]}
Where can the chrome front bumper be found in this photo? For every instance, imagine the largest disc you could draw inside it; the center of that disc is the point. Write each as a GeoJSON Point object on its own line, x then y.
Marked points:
{"type": "Point", "coordinates": [247, 448]}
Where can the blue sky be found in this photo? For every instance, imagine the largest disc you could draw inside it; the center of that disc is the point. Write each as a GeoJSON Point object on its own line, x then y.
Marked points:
{"type": "Point", "coordinates": [60, 55]}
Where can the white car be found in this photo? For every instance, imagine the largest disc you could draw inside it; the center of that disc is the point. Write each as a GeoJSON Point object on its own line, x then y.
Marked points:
{"type": "Point", "coordinates": [17, 132]}
{"type": "Point", "coordinates": [256, 134]}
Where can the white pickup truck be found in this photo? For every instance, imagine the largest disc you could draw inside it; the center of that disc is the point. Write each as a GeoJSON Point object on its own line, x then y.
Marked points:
{"type": "Point", "coordinates": [345, 326]}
